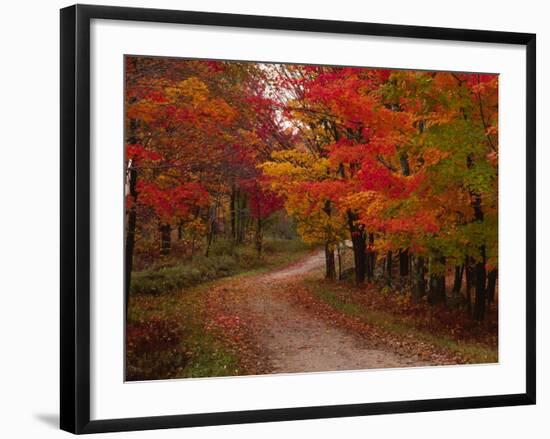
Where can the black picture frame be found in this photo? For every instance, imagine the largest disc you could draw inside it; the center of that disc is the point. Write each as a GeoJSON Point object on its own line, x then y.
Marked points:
{"type": "Point", "coordinates": [75, 217]}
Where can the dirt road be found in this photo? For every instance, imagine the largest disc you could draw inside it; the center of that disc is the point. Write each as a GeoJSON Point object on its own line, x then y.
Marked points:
{"type": "Point", "coordinates": [292, 338]}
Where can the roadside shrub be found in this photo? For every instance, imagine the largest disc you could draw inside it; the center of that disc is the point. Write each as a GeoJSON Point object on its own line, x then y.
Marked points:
{"type": "Point", "coordinates": [224, 260]}
{"type": "Point", "coordinates": [153, 349]}
{"type": "Point", "coordinates": [284, 245]}
{"type": "Point", "coordinates": [247, 257]}
{"type": "Point", "coordinates": [153, 334]}
{"type": "Point", "coordinates": [201, 269]}
{"type": "Point", "coordinates": [221, 247]}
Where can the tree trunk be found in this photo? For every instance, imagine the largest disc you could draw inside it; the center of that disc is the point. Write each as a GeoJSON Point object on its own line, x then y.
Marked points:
{"type": "Point", "coordinates": [404, 161]}
{"type": "Point", "coordinates": [165, 241]}
{"type": "Point", "coordinates": [480, 270]}
{"type": "Point", "coordinates": [420, 279]}
{"type": "Point", "coordinates": [480, 279]}
{"type": "Point", "coordinates": [403, 262]}
{"type": "Point", "coordinates": [367, 261]}
{"type": "Point", "coordinates": [131, 225]}
{"type": "Point", "coordinates": [457, 284]}
{"type": "Point", "coordinates": [329, 262]}
{"type": "Point", "coordinates": [240, 216]}
{"type": "Point", "coordinates": [438, 291]}
{"type": "Point", "coordinates": [259, 236]}
{"type": "Point", "coordinates": [339, 262]}
{"type": "Point", "coordinates": [469, 283]}
{"type": "Point", "coordinates": [210, 232]}
{"type": "Point", "coordinates": [491, 285]}
{"type": "Point", "coordinates": [329, 249]}
{"type": "Point", "coordinates": [371, 256]}
{"type": "Point", "coordinates": [130, 236]}
{"type": "Point", "coordinates": [359, 257]}
{"type": "Point", "coordinates": [232, 216]}
{"type": "Point", "coordinates": [358, 239]}
{"type": "Point", "coordinates": [389, 266]}
{"type": "Point", "coordinates": [404, 253]}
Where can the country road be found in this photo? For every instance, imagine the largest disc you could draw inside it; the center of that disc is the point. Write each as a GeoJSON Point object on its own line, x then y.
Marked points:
{"type": "Point", "coordinates": [292, 338]}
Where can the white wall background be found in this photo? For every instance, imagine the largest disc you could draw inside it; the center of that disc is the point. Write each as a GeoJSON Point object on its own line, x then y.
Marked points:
{"type": "Point", "coordinates": [29, 200]}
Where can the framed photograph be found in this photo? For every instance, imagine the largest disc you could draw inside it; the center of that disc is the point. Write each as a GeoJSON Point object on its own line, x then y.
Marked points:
{"type": "Point", "coordinates": [268, 218]}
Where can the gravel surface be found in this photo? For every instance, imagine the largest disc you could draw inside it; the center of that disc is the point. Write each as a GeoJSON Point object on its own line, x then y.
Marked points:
{"type": "Point", "coordinates": [293, 339]}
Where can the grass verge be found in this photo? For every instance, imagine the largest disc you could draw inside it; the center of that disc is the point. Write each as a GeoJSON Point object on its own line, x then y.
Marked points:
{"type": "Point", "coordinates": [191, 352]}
{"type": "Point", "coordinates": [166, 334]}
{"type": "Point", "coordinates": [224, 260]}
{"type": "Point", "coordinates": [339, 298]}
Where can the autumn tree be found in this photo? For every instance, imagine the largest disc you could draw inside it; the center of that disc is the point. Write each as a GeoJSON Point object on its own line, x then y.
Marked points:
{"type": "Point", "coordinates": [402, 164]}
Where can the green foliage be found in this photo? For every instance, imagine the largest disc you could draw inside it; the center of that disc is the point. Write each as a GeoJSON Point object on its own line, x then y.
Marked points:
{"type": "Point", "coordinates": [200, 269]}
{"type": "Point", "coordinates": [222, 247]}
{"type": "Point", "coordinates": [481, 178]}
{"type": "Point", "coordinates": [285, 246]}
{"type": "Point", "coordinates": [224, 260]}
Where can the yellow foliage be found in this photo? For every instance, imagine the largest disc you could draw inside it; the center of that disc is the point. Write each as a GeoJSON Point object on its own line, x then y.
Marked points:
{"type": "Point", "coordinates": [191, 88]}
